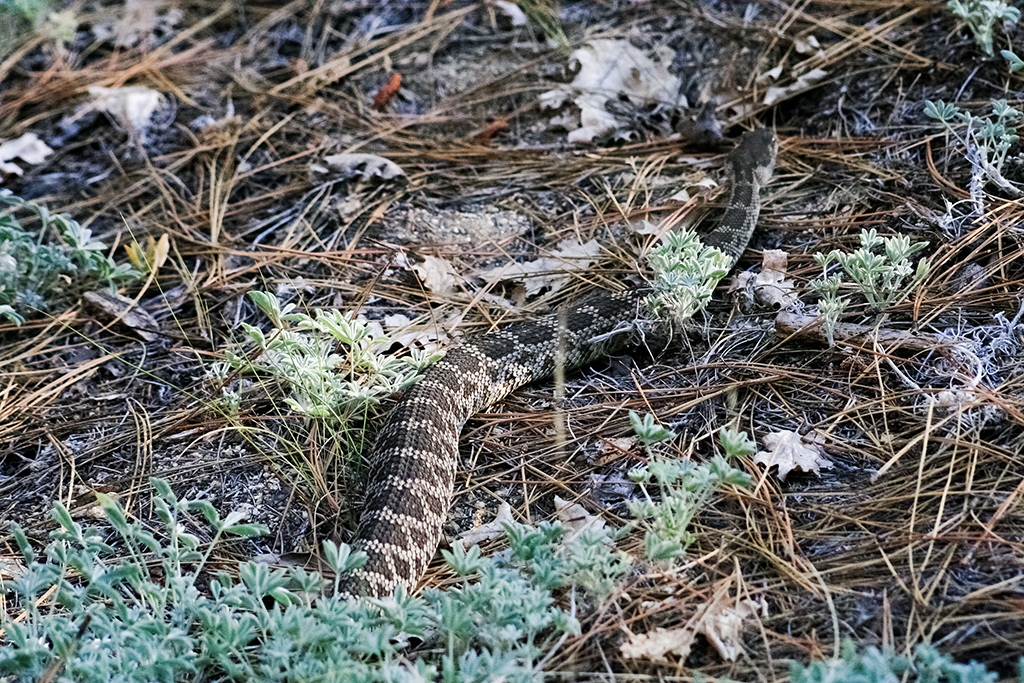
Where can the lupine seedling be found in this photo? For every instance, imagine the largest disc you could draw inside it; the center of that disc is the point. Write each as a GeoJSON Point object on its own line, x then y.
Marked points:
{"type": "Point", "coordinates": [301, 351]}
{"type": "Point", "coordinates": [50, 265]}
{"type": "Point", "coordinates": [982, 17]}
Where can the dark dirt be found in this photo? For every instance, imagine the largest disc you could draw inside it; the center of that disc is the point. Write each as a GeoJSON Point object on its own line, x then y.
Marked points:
{"type": "Point", "coordinates": [262, 93]}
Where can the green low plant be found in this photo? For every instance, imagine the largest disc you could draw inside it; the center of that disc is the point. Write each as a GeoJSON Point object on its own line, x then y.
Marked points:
{"type": "Point", "coordinates": [686, 273]}
{"type": "Point", "coordinates": [987, 141]}
{"type": "Point", "coordinates": [127, 605]}
{"type": "Point", "coordinates": [300, 350]}
{"type": "Point", "coordinates": [684, 487]}
{"type": "Point", "coordinates": [982, 16]}
{"type": "Point", "coordinates": [874, 666]}
{"type": "Point", "coordinates": [1016, 63]}
{"type": "Point", "coordinates": [32, 11]}
{"type": "Point", "coordinates": [19, 18]}
{"type": "Point", "coordinates": [884, 279]}
{"type": "Point", "coordinates": [648, 431]}
{"type": "Point", "coordinates": [40, 270]}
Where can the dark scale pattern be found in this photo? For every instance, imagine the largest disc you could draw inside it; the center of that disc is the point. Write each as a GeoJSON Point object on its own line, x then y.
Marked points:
{"type": "Point", "coordinates": [412, 466]}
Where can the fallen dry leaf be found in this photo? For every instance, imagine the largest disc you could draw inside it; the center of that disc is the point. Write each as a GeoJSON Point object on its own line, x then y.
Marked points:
{"type": "Point", "coordinates": [770, 286]}
{"type": "Point", "coordinates": [615, 446]}
{"type": "Point", "coordinates": [722, 624]}
{"type": "Point", "coordinates": [548, 271]}
{"type": "Point", "coordinates": [772, 74]}
{"type": "Point", "coordinates": [777, 94]}
{"type": "Point", "coordinates": [436, 274]}
{"type": "Point", "coordinates": [654, 645]}
{"type": "Point", "coordinates": [610, 69]}
{"type": "Point", "coordinates": [132, 106]}
{"type": "Point", "coordinates": [791, 451]}
{"type": "Point", "coordinates": [29, 148]}
{"type": "Point", "coordinates": [512, 11]}
{"type": "Point", "coordinates": [429, 337]}
{"type": "Point", "coordinates": [141, 19]}
{"type": "Point", "coordinates": [720, 620]}
{"type": "Point", "coordinates": [486, 532]}
{"type": "Point", "coordinates": [808, 45]}
{"type": "Point", "coordinates": [698, 180]}
{"type": "Point", "coordinates": [575, 517]}
{"type": "Point", "coordinates": [363, 166]}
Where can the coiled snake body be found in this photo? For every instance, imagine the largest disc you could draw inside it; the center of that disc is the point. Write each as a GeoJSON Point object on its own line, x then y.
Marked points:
{"type": "Point", "coordinates": [413, 464]}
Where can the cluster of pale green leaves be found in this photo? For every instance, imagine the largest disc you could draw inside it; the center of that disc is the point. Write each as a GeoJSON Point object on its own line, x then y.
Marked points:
{"type": "Point", "coordinates": [52, 263]}
{"type": "Point", "coordinates": [884, 279]}
{"type": "Point", "coordinates": [926, 665]}
{"type": "Point", "coordinates": [987, 140]}
{"type": "Point", "coordinates": [333, 364]}
{"type": "Point", "coordinates": [686, 273]}
{"type": "Point", "coordinates": [123, 604]}
{"type": "Point", "coordinates": [683, 487]}
{"type": "Point", "coordinates": [982, 17]}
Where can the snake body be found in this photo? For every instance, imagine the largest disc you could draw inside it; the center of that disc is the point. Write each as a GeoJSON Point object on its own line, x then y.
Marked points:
{"type": "Point", "coordinates": [412, 466]}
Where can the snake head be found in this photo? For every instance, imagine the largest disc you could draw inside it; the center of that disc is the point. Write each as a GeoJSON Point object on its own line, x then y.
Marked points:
{"type": "Point", "coordinates": [754, 156]}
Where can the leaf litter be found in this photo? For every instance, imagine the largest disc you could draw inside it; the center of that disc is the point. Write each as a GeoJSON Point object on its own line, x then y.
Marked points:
{"type": "Point", "coordinates": [927, 548]}
{"type": "Point", "coordinates": [609, 69]}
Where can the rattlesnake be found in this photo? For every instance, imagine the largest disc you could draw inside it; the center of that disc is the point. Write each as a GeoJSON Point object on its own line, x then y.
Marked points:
{"type": "Point", "coordinates": [413, 464]}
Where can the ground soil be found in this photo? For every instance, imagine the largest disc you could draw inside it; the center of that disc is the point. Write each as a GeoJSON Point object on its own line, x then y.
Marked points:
{"type": "Point", "coordinates": [915, 534]}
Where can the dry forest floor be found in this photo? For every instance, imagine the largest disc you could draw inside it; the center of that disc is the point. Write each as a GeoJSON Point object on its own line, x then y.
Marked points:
{"type": "Point", "coordinates": [916, 532]}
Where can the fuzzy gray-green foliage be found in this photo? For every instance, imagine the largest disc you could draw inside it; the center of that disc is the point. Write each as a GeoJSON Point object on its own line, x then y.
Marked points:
{"type": "Point", "coordinates": [987, 142]}
{"type": "Point", "coordinates": [334, 366]}
{"type": "Point", "coordinates": [686, 273]}
{"type": "Point", "coordinates": [125, 606]}
{"type": "Point", "coordinates": [40, 269]}
{"type": "Point", "coordinates": [874, 666]}
{"type": "Point", "coordinates": [683, 487]}
{"type": "Point", "coordinates": [884, 280]}
{"type": "Point", "coordinates": [982, 17]}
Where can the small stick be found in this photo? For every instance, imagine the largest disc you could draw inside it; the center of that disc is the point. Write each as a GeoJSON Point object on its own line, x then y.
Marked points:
{"type": "Point", "coordinates": [791, 324]}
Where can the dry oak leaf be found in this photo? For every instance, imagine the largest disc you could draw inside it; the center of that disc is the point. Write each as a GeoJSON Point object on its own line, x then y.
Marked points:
{"type": "Point", "coordinates": [404, 332]}
{"type": "Point", "coordinates": [548, 271]}
{"type": "Point", "coordinates": [437, 274]}
{"type": "Point", "coordinates": [654, 645]}
{"type": "Point", "coordinates": [771, 287]}
{"type": "Point", "coordinates": [791, 451]}
{"type": "Point", "coordinates": [575, 518]}
{"type": "Point", "coordinates": [141, 19]}
{"type": "Point", "coordinates": [29, 148]}
{"type": "Point", "coordinates": [363, 166]}
{"type": "Point", "coordinates": [615, 446]}
{"type": "Point", "coordinates": [610, 69]}
{"type": "Point", "coordinates": [720, 623]}
{"type": "Point", "coordinates": [512, 11]}
{"type": "Point", "coordinates": [486, 532]}
{"type": "Point", "coordinates": [130, 106]}
{"type": "Point", "coordinates": [805, 82]}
